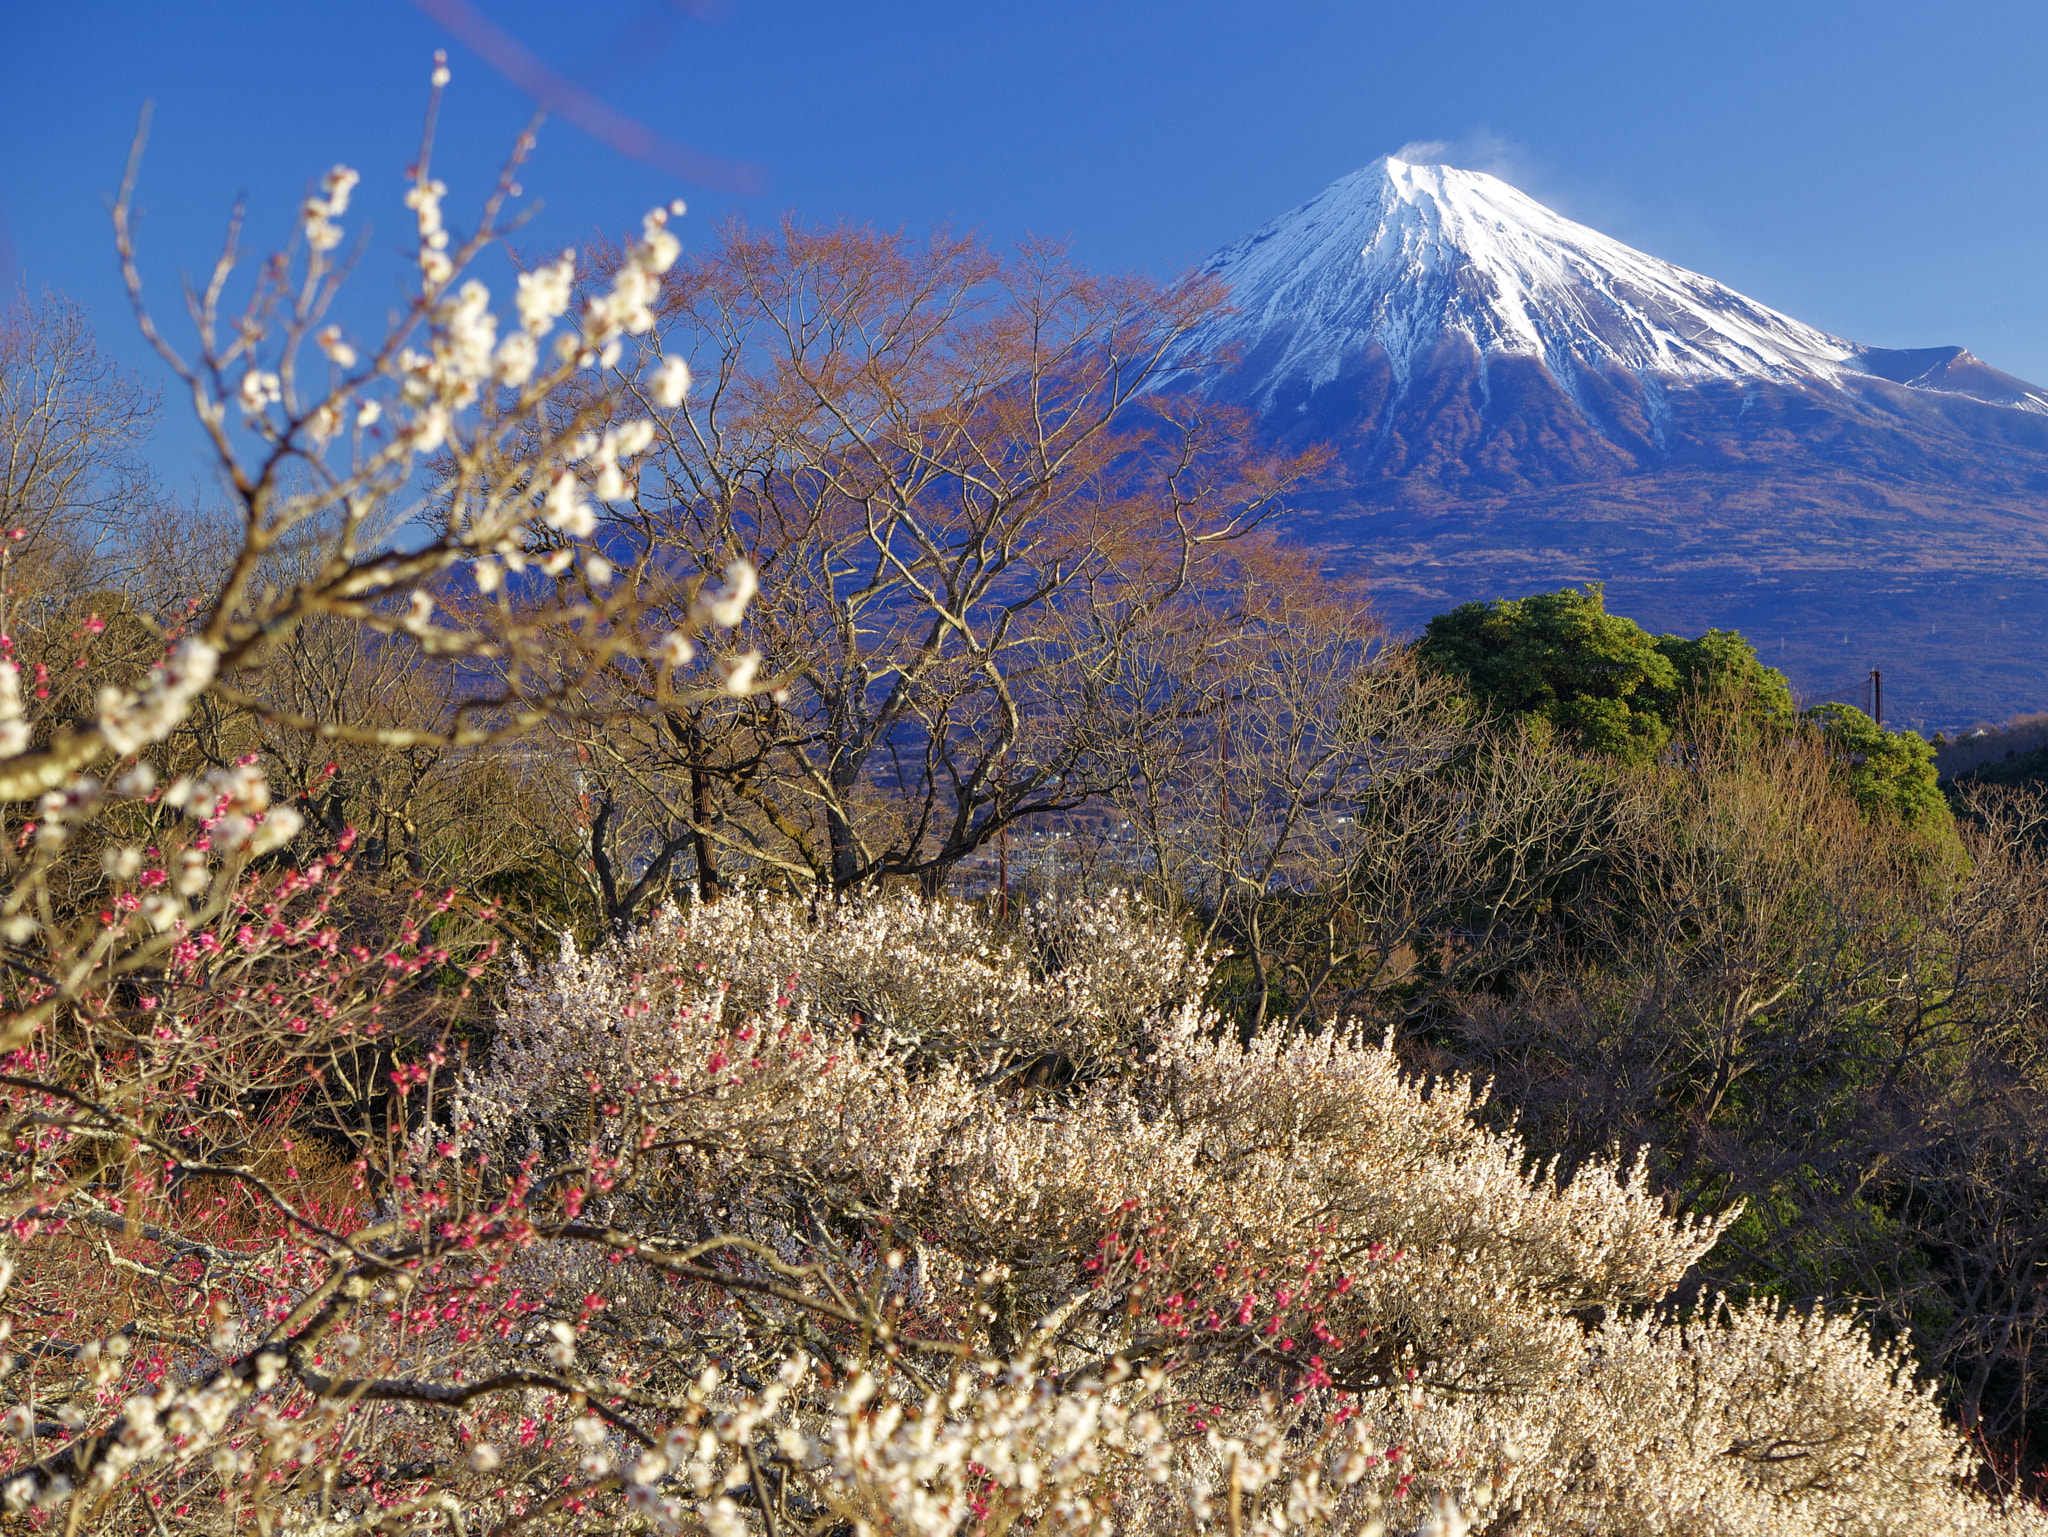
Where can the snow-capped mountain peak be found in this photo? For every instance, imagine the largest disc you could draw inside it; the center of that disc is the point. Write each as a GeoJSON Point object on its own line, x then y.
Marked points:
{"type": "Point", "coordinates": [1402, 257]}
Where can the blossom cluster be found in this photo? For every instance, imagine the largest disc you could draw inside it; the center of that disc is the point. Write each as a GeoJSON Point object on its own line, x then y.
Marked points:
{"type": "Point", "coordinates": [519, 436]}
{"type": "Point", "coordinates": [132, 719]}
{"type": "Point", "coordinates": [1350, 1307]}
{"type": "Point", "coordinates": [781, 1217]}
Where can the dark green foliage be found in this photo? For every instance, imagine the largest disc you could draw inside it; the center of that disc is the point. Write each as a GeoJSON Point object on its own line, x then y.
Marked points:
{"type": "Point", "coordinates": [1601, 680]}
{"type": "Point", "coordinates": [1722, 665]}
{"type": "Point", "coordinates": [1890, 773]}
{"type": "Point", "coordinates": [1561, 658]}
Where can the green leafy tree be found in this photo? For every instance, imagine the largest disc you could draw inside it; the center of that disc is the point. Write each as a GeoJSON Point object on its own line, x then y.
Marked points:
{"type": "Point", "coordinates": [1888, 772]}
{"type": "Point", "coordinates": [1721, 665]}
{"type": "Point", "coordinates": [1599, 678]}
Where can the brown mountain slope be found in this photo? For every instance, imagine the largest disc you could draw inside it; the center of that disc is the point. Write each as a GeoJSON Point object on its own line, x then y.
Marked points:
{"type": "Point", "coordinates": [1878, 525]}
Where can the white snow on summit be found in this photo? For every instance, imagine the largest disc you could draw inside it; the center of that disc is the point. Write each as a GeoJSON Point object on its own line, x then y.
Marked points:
{"type": "Point", "coordinates": [1403, 256]}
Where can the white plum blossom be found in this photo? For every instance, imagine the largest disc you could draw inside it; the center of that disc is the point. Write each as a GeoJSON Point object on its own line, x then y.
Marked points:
{"type": "Point", "coordinates": [427, 431]}
{"type": "Point", "coordinates": [727, 606]}
{"type": "Point", "coordinates": [319, 213]}
{"type": "Point", "coordinates": [14, 733]}
{"type": "Point", "coordinates": [323, 424]}
{"type": "Point", "coordinates": [258, 392]}
{"type": "Point", "coordinates": [61, 807]}
{"type": "Point", "coordinates": [423, 197]}
{"type": "Point", "coordinates": [467, 332]}
{"type": "Point", "coordinates": [544, 294]}
{"type": "Point", "coordinates": [339, 183]}
{"type": "Point", "coordinates": [338, 352]}
{"type": "Point", "coordinates": [565, 509]}
{"type": "Point", "coordinates": [632, 438]}
{"type": "Point", "coordinates": [462, 356]}
{"type": "Point", "coordinates": [236, 801]}
{"type": "Point", "coordinates": [670, 383]}
{"type": "Point", "coordinates": [606, 452]}
{"type": "Point", "coordinates": [739, 671]}
{"type": "Point", "coordinates": [133, 719]}
{"type": "Point", "coordinates": [628, 310]}
{"type": "Point", "coordinates": [193, 876]}
{"type": "Point", "coordinates": [516, 359]}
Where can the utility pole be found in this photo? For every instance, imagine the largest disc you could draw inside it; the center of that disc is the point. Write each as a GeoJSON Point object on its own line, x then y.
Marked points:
{"type": "Point", "coordinates": [1877, 696]}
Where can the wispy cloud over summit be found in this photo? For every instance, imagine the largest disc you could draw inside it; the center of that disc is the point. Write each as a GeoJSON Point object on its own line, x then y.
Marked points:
{"type": "Point", "coordinates": [1476, 149]}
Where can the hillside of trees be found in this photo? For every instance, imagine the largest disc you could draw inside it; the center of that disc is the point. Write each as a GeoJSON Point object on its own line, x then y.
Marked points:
{"type": "Point", "coordinates": [2012, 754]}
{"type": "Point", "coordinates": [745, 890]}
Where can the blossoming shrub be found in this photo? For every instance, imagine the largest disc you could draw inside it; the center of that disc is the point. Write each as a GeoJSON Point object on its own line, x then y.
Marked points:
{"type": "Point", "coordinates": [700, 1244]}
{"type": "Point", "coordinates": [929, 977]}
{"type": "Point", "coordinates": [209, 1056]}
{"type": "Point", "coordinates": [1278, 1273]}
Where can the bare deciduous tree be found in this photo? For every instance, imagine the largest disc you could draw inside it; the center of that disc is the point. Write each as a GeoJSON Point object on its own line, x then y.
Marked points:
{"type": "Point", "coordinates": [968, 506]}
{"type": "Point", "coordinates": [72, 486]}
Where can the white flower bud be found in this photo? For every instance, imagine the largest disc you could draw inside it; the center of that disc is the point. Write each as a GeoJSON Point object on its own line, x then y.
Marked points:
{"type": "Point", "coordinates": [565, 509]}
{"type": "Point", "coordinates": [670, 384]}
{"type": "Point", "coordinates": [727, 606]}
{"type": "Point", "coordinates": [739, 671]}
{"type": "Point", "coordinates": [516, 359]}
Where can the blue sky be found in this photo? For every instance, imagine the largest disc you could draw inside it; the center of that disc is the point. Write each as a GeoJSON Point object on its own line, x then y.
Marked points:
{"type": "Point", "coordinates": [1874, 168]}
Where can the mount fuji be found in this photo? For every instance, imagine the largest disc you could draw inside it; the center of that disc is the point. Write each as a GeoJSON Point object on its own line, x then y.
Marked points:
{"type": "Point", "coordinates": [1517, 401]}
